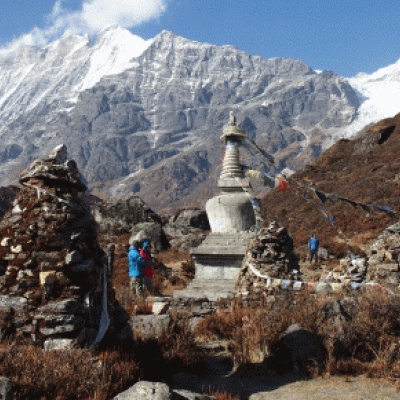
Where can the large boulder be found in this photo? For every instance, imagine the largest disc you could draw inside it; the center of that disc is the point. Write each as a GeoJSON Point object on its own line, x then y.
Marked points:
{"type": "Point", "coordinates": [298, 349]}
{"type": "Point", "coordinates": [130, 214]}
{"type": "Point", "coordinates": [152, 231]}
{"type": "Point", "coordinates": [158, 391]}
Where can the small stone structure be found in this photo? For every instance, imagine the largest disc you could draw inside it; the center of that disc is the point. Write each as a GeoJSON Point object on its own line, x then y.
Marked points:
{"type": "Point", "coordinates": [53, 274]}
{"type": "Point", "coordinates": [270, 264]}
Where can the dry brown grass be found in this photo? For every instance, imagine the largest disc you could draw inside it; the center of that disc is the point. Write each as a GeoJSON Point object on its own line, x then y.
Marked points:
{"type": "Point", "coordinates": [64, 375]}
{"type": "Point", "coordinates": [367, 343]}
{"type": "Point", "coordinates": [100, 375]}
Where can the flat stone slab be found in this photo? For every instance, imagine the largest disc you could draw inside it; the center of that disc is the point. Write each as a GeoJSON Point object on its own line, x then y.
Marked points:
{"type": "Point", "coordinates": [224, 244]}
{"type": "Point", "coordinates": [149, 326]}
{"type": "Point", "coordinates": [207, 289]}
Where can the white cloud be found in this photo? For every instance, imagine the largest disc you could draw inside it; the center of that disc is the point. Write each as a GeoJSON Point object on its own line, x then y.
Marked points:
{"type": "Point", "coordinates": [93, 16]}
{"type": "Point", "coordinates": [128, 13]}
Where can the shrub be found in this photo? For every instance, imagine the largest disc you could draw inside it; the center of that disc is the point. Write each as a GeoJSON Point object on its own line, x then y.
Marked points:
{"type": "Point", "coordinates": [64, 375]}
{"type": "Point", "coordinates": [363, 339]}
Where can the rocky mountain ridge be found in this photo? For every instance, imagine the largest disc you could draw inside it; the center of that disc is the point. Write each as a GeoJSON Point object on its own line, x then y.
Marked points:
{"type": "Point", "coordinates": [152, 126]}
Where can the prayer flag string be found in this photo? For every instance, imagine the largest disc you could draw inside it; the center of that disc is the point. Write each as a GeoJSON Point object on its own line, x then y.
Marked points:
{"type": "Point", "coordinates": [324, 197]}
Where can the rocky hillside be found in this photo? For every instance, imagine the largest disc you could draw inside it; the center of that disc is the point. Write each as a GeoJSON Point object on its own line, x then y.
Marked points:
{"type": "Point", "coordinates": [365, 170]}
{"type": "Point", "coordinates": [152, 126]}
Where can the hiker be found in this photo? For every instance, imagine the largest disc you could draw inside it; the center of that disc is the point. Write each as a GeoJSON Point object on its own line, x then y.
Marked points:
{"type": "Point", "coordinates": [145, 253]}
{"type": "Point", "coordinates": [136, 268]}
{"type": "Point", "coordinates": [313, 245]}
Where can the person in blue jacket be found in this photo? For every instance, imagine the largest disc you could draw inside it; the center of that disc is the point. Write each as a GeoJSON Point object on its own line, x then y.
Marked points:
{"type": "Point", "coordinates": [136, 269]}
{"type": "Point", "coordinates": [313, 245]}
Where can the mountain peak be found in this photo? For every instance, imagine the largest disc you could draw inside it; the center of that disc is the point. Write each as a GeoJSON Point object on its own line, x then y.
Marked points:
{"type": "Point", "coordinates": [111, 30]}
{"type": "Point", "coordinates": [165, 33]}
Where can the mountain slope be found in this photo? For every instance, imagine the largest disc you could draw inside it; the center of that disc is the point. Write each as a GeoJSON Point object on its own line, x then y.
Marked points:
{"type": "Point", "coordinates": [365, 170]}
{"type": "Point", "coordinates": [154, 128]}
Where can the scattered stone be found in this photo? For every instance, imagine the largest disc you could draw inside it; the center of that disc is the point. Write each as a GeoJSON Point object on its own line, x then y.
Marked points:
{"type": "Point", "coordinates": [6, 388]}
{"type": "Point", "coordinates": [160, 307]}
{"type": "Point", "coordinates": [6, 242]}
{"type": "Point", "coordinates": [59, 344]}
{"type": "Point", "coordinates": [384, 257]}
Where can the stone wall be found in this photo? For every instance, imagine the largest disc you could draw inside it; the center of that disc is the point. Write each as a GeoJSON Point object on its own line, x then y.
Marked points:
{"type": "Point", "coordinates": [52, 267]}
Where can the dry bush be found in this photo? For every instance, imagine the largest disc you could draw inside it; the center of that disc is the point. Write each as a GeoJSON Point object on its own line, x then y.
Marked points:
{"type": "Point", "coordinates": [71, 374]}
{"type": "Point", "coordinates": [367, 341]}
{"type": "Point", "coordinates": [178, 341]}
{"type": "Point", "coordinates": [172, 351]}
{"type": "Point", "coordinates": [337, 249]}
{"type": "Point", "coordinates": [250, 331]}
{"type": "Point", "coordinates": [133, 304]}
{"type": "Point", "coordinates": [188, 269]}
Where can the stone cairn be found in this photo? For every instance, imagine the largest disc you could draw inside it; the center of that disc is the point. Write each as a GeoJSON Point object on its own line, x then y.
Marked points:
{"type": "Point", "coordinates": [270, 264]}
{"type": "Point", "coordinates": [352, 270]}
{"type": "Point", "coordinates": [384, 257]}
{"type": "Point", "coordinates": [52, 267]}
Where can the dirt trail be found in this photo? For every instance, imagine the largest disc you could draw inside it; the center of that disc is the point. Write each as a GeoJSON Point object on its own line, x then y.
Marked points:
{"type": "Point", "coordinates": [334, 388]}
{"type": "Point", "coordinates": [259, 383]}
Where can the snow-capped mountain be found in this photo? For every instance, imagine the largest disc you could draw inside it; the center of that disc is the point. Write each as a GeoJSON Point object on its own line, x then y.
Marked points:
{"type": "Point", "coordinates": [30, 76]}
{"type": "Point", "coordinates": [146, 116]}
{"type": "Point", "coordinates": [379, 95]}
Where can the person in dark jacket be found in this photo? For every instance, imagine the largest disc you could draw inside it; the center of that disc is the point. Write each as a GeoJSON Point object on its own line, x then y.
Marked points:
{"type": "Point", "coordinates": [137, 266]}
{"type": "Point", "coordinates": [313, 245]}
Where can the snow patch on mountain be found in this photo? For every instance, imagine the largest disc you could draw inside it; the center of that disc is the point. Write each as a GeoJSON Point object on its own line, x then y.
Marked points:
{"type": "Point", "coordinates": [379, 95]}
{"type": "Point", "coordinates": [61, 70]}
{"type": "Point", "coordinates": [112, 54]}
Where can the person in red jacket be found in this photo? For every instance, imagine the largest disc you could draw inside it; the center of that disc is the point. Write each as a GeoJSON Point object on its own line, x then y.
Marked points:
{"type": "Point", "coordinates": [145, 253]}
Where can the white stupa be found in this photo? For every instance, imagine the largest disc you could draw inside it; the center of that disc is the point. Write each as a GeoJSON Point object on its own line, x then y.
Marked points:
{"type": "Point", "coordinates": [232, 220]}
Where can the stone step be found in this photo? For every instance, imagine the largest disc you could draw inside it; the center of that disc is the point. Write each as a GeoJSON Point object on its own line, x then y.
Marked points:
{"type": "Point", "coordinates": [214, 283]}
{"type": "Point", "coordinates": [210, 289]}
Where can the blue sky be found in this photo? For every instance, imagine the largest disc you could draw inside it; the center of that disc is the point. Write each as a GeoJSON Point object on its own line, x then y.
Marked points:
{"type": "Point", "coordinates": [345, 36]}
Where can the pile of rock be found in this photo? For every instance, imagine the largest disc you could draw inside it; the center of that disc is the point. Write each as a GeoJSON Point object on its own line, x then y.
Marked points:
{"type": "Point", "coordinates": [270, 264]}
{"type": "Point", "coordinates": [383, 257]}
{"type": "Point", "coordinates": [355, 269]}
{"type": "Point", "coordinates": [381, 265]}
{"type": "Point", "coordinates": [352, 270]}
{"type": "Point", "coordinates": [52, 265]}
